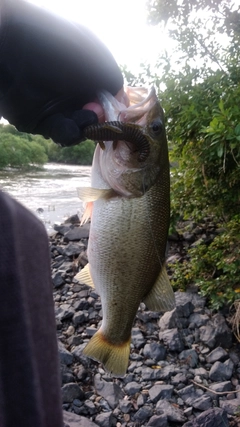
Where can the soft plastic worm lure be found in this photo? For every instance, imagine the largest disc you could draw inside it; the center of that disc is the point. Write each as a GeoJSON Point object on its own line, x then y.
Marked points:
{"type": "Point", "coordinates": [114, 131]}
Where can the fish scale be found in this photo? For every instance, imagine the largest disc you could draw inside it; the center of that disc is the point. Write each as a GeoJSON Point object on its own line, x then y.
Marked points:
{"type": "Point", "coordinates": [128, 235]}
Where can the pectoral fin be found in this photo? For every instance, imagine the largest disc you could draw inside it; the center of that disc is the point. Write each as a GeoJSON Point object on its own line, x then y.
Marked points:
{"type": "Point", "coordinates": [84, 276]}
{"type": "Point", "coordinates": [161, 296]}
{"type": "Point", "coordinates": [87, 213]}
{"type": "Point", "coordinates": [90, 194]}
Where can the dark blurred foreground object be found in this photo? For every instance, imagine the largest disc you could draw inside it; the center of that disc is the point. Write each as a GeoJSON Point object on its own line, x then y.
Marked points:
{"type": "Point", "coordinates": [29, 366]}
{"type": "Point", "coordinates": [50, 68]}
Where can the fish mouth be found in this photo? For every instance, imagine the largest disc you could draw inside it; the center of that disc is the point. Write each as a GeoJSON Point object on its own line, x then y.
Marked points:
{"type": "Point", "coordinates": [117, 130]}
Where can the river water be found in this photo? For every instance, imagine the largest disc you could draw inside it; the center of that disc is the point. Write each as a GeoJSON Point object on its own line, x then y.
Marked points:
{"type": "Point", "coordinates": [51, 193]}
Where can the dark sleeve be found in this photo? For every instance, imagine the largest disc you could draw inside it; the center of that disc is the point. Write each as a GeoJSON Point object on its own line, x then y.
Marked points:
{"type": "Point", "coordinates": [29, 366]}
{"type": "Point", "coordinates": [49, 65]}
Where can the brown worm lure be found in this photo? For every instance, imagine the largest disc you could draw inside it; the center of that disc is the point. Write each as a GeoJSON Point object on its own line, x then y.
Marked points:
{"type": "Point", "coordinates": [115, 130]}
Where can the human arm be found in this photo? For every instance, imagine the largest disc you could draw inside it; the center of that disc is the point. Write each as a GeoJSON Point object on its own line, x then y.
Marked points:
{"type": "Point", "coordinates": [49, 69]}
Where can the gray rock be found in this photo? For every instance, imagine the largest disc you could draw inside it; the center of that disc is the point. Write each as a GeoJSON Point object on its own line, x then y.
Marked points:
{"type": "Point", "coordinates": [172, 412]}
{"type": "Point", "coordinates": [216, 333]}
{"type": "Point", "coordinates": [57, 279]}
{"type": "Point", "coordinates": [62, 229]}
{"type": "Point", "coordinates": [64, 311]}
{"type": "Point", "coordinates": [221, 371]}
{"type": "Point", "coordinates": [190, 356]}
{"type": "Point", "coordinates": [161, 391]}
{"type": "Point", "coordinates": [143, 414]}
{"type": "Point", "coordinates": [218, 354]}
{"type": "Point", "coordinates": [132, 388]}
{"type": "Point", "coordinates": [65, 356]}
{"type": "Point", "coordinates": [91, 408]}
{"type": "Point", "coordinates": [105, 419]}
{"type": "Point", "coordinates": [172, 339]}
{"type": "Point", "coordinates": [70, 392]}
{"type": "Point", "coordinates": [198, 319]}
{"type": "Point", "coordinates": [223, 386]}
{"type": "Point", "coordinates": [138, 339]}
{"type": "Point", "coordinates": [158, 421]}
{"type": "Point", "coordinates": [77, 233]}
{"type": "Point", "coordinates": [79, 318]}
{"type": "Point", "coordinates": [141, 400]}
{"type": "Point", "coordinates": [73, 420]}
{"type": "Point", "coordinates": [149, 374]}
{"type": "Point", "coordinates": [230, 406]}
{"type": "Point", "coordinates": [178, 378]}
{"type": "Point", "coordinates": [214, 417]}
{"type": "Point", "coordinates": [203, 403]}
{"type": "Point", "coordinates": [109, 390]}
{"type": "Point", "coordinates": [73, 249]}
{"type": "Point", "coordinates": [184, 305]}
{"type": "Point", "coordinates": [168, 320]}
{"type": "Point", "coordinates": [125, 406]}
{"type": "Point", "coordinates": [154, 351]}
{"type": "Point", "coordinates": [189, 394]}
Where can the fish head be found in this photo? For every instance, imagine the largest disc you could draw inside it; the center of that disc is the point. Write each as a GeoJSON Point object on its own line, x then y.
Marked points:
{"type": "Point", "coordinates": [119, 163]}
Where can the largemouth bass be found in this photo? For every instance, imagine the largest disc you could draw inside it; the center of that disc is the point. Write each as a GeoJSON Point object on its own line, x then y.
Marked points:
{"type": "Point", "coordinates": [129, 205]}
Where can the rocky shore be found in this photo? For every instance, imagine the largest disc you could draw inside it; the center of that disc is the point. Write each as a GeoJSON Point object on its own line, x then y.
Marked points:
{"type": "Point", "coordinates": [184, 367]}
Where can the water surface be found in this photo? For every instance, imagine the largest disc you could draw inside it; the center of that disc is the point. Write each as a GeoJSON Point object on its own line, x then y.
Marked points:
{"type": "Point", "coordinates": [51, 193]}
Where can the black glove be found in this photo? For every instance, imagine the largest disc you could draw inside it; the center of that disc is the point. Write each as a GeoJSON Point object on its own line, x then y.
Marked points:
{"type": "Point", "coordinates": [50, 68]}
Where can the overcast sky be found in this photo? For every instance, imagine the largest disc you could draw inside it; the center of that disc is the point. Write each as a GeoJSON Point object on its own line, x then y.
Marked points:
{"type": "Point", "coordinates": [120, 24]}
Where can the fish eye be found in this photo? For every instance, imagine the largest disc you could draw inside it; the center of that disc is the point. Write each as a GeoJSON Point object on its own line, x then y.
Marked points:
{"type": "Point", "coordinates": [156, 127]}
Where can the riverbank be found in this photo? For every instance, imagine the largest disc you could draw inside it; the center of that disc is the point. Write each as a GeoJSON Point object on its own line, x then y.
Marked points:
{"type": "Point", "coordinates": [184, 366]}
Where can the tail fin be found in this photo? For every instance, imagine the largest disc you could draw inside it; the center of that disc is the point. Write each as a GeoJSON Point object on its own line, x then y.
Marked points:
{"type": "Point", "coordinates": [114, 357]}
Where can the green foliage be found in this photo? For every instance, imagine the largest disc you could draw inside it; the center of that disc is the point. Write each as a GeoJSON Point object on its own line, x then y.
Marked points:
{"type": "Point", "coordinates": [80, 154]}
{"type": "Point", "coordinates": [18, 149]}
{"type": "Point", "coordinates": [214, 267]}
{"type": "Point", "coordinates": [200, 90]}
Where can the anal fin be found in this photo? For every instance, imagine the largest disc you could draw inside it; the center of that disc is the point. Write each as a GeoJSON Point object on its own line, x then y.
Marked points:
{"type": "Point", "coordinates": [161, 297]}
{"type": "Point", "coordinates": [84, 276]}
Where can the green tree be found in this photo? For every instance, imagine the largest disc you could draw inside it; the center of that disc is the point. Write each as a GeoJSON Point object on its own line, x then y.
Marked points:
{"type": "Point", "coordinates": [199, 87]}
